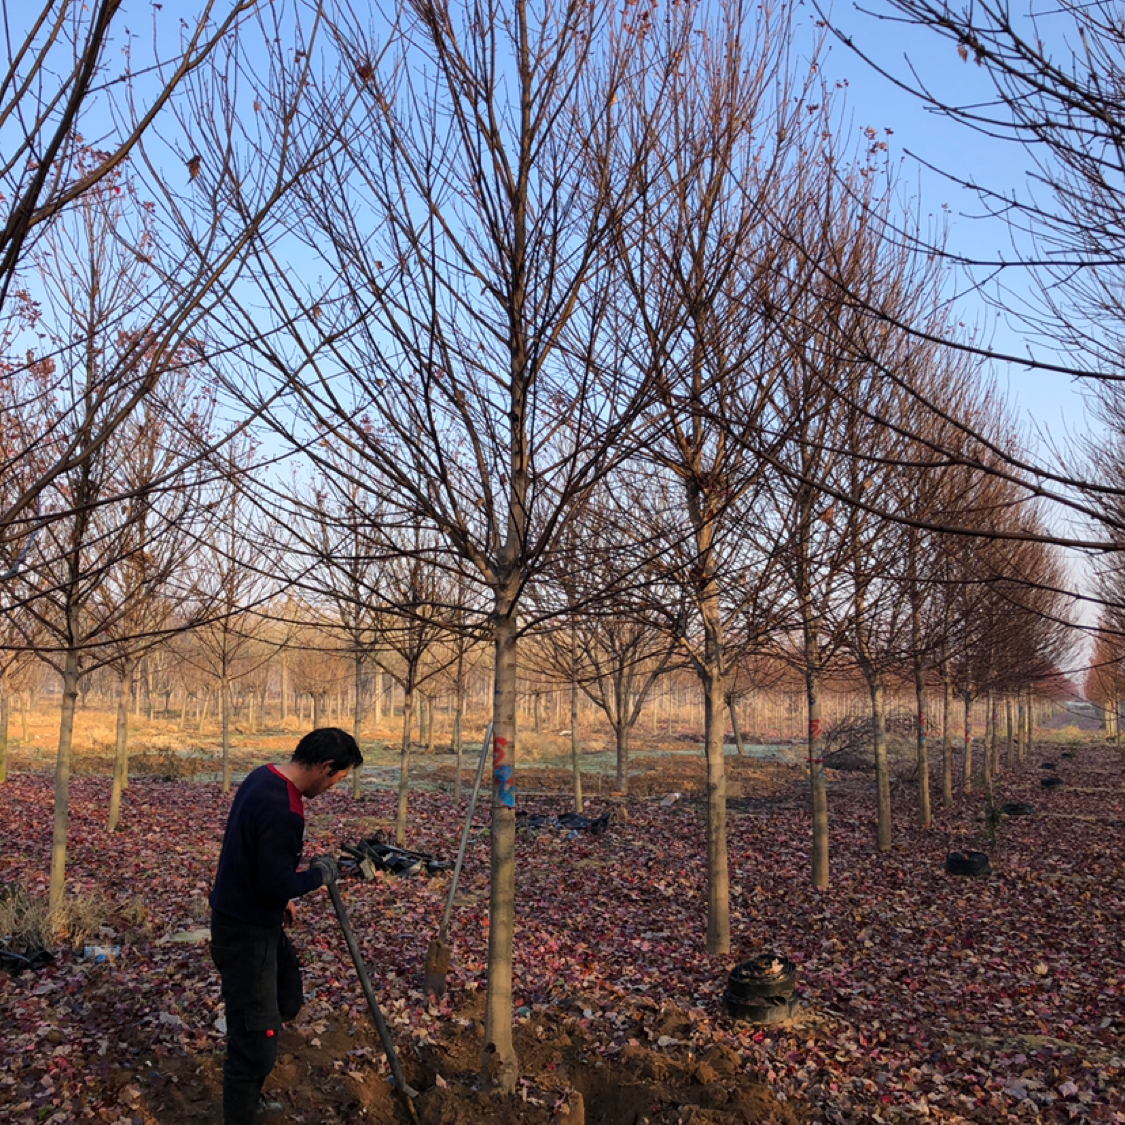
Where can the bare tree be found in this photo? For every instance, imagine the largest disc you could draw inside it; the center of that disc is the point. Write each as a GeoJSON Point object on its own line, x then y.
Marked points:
{"type": "Point", "coordinates": [409, 626]}
{"type": "Point", "coordinates": [58, 93]}
{"type": "Point", "coordinates": [105, 511]}
{"type": "Point", "coordinates": [139, 598]}
{"type": "Point", "coordinates": [608, 644]}
{"type": "Point", "coordinates": [462, 225]}
{"type": "Point", "coordinates": [695, 270]}
{"type": "Point", "coordinates": [229, 584]}
{"type": "Point", "coordinates": [338, 543]}
{"type": "Point", "coordinates": [58, 90]}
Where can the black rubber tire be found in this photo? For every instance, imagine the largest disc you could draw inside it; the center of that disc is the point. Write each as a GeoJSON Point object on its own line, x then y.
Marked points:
{"type": "Point", "coordinates": [1067, 754]}
{"type": "Point", "coordinates": [975, 865]}
{"type": "Point", "coordinates": [1017, 808]}
{"type": "Point", "coordinates": [748, 983]}
{"type": "Point", "coordinates": [766, 1011]}
{"type": "Point", "coordinates": [1050, 782]}
{"type": "Point", "coordinates": [1048, 766]}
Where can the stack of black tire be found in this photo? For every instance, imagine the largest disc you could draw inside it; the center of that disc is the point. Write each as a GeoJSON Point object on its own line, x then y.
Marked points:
{"type": "Point", "coordinates": [1052, 779]}
{"type": "Point", "coordinates": [762, 990]}
{"type": "Point", "coordinates": [973, 864]}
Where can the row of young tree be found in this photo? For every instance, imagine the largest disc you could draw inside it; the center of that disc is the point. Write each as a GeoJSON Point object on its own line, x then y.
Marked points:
{"type": "Point", "coordinates": [584, 331]}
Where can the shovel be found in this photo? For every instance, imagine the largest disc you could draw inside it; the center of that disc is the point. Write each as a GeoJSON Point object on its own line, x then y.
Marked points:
{"type": "Point", "coordinates": [380, 1025]}
{"type": "Point", "coordinates": [437, 955]}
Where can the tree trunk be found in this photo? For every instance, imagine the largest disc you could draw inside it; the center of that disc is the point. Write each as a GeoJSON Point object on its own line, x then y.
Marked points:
{"type": "Point", "coordinates": [989, 738]}
{"type": "Point", "coordinates": [1021, 744]}
{"type": "Point", "coordinates": [121, 753]}
{"type": "Point", "coordinates": [989, 754]}
{"type": "Point", "coordinates": [621, 741]}
{"type": "Point", "coordinates": [1010, 747]}
{"type": "Point", "coordinates": [3, 734]}
{"type": "Point", "coordinates": [718, 872]}
{"type": "Point", "coordinates": [1030, 722]}
{"type": "Point", "coordinates": [818, 789]}
{"type": "Point", "coordinates": [967, 700]}
{"type": "Point", "coordinates": [224, 722]}
{"type": "Point", "coordinates": [357, 721]}
{"type": "Point", "coordinates": [735, 727]}
{"type": "Point", "coordinates": [922, 755]}
{"type": "Point", "coordinates": [946, 737]}
{"type": "Point", "coordinates": [57, 886]}
{"type": "Point", "coordinates": [883, 829]}
{"type": "Point", "coordinates": [575, 760]}
{"type": "Point", "coordinates": [499, 1065]}
{"type": "Point", "coordinates": [458, 718]}
{"type": "Point", "coordinates": [404, 767]}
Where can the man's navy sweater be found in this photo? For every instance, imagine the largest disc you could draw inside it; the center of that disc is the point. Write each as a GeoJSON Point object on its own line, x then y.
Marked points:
{"type": "Point", "coordinates": [261, 851]}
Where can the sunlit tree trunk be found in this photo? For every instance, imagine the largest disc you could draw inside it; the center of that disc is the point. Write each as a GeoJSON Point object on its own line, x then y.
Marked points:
{"type": "Point", "coordinates": [224, 723]}
{"type": "Point", "coordinates": [883, 830]}
{"type": "Point", "coordinates": [988, 750]}
{"type": "Point", "coordinates": [357, 720]}
{"type": "Point", "coordinates": [499, 1065]}
{"type": "Point", "coordinates": [989, 737]}
{"type": "Point", "coordinates": [818, 789]}
{"type": "Point", "coordinates": [1010, 748]}
{"type": "Point", "coordinates": [1021, 724]}
{"type": "Point", "coordinates": [121, 751]}
{"type": "Point", "coordinates": [57, 885]}
{"type": "Point", "coordinates": [922, 755]}
{"type": "Point", "coordinates": [575, 757]}
{"type": "Point", "coordinates": [404, 765]}
{"type": "Point", "coordinates": [3, 731]}
{"type": "Point", "coordinates": [946, 734]}
{"type": "Point", "coordinates": [735, 727]}
{"type": "Point", "coordinates": [621, 742]}
{"type": "Point", "coordinates": [718, 872]}
{"type": "Point", "coordinates": [458, 714]}
{"type": "Point", "coordinates": [967, 700]}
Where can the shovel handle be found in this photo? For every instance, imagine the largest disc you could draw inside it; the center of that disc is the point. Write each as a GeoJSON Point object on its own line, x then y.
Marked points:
{"type": "Point", "coordinates": [443, 933]}
{"type": "Point", "coordinates": [372, 1003]}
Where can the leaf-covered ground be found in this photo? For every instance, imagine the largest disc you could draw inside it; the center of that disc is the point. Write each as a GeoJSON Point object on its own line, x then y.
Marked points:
{"type": "Point", "coordinates": [924, 995]}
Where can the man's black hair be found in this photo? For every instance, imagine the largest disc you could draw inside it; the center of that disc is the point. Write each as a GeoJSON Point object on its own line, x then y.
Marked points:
{"type": "Point", "coordinates": [328, 744]}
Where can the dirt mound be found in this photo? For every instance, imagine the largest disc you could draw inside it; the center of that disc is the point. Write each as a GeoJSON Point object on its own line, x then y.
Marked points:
{"type": "Point", "coordinates": [338, 1074]}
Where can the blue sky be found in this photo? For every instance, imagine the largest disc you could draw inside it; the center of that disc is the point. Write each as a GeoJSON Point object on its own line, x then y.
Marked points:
{"type": "Point", "coordinates": [1050, 402]}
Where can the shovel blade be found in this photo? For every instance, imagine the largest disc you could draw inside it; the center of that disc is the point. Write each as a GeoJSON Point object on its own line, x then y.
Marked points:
{"type": "Point", "coordinates": [437, 966]}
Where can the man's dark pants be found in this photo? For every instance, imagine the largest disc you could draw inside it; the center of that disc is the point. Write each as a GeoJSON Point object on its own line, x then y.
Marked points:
{"type": "Point", "coordinates": [261, 981]}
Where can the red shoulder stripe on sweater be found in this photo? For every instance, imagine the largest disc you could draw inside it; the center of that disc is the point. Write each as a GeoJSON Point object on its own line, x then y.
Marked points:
{"type": "Point", "coordinates": [296, 801]}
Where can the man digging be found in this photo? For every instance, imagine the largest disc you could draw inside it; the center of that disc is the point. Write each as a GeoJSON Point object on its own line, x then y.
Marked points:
{"type": "Point", "coordinates": [256, 879]}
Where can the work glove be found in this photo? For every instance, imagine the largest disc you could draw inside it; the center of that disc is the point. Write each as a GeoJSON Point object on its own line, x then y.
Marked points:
{"type": "Point", "coordinates": [326, 865]}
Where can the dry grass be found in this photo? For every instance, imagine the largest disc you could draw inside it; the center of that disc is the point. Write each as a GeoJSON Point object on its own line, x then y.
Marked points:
{"type": "Point", "coordinates": [24, 921]}
{"type": "Point", "coordinates": [80, 919]}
